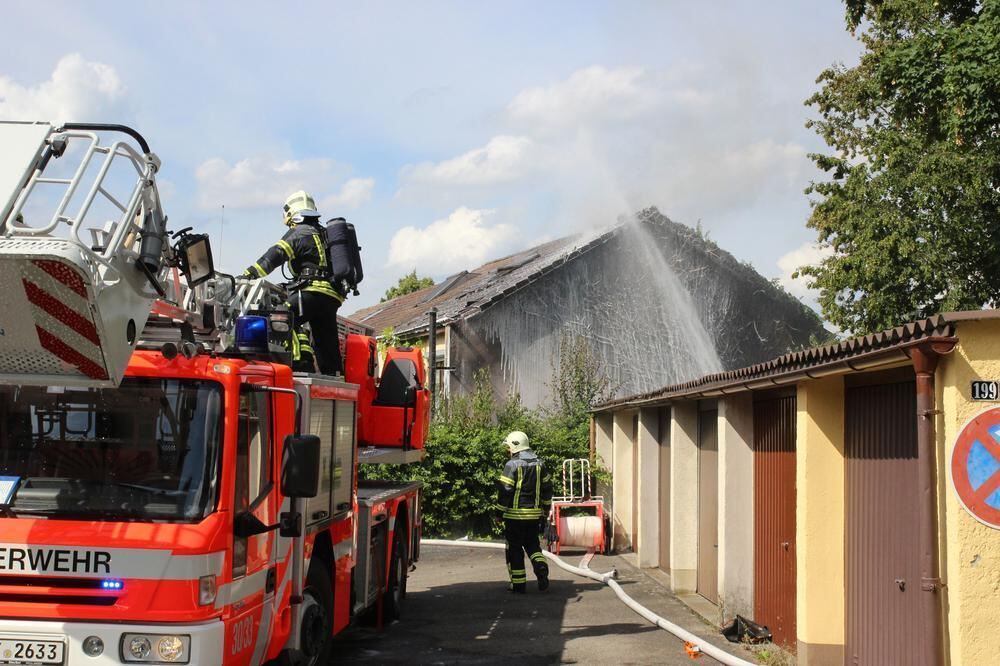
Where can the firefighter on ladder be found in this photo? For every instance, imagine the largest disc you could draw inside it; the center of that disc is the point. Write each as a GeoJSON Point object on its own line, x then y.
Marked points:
{"type": "Point", "coordinates": [314, 299]}
{"type": "Point", "coordinates": [524, 496]}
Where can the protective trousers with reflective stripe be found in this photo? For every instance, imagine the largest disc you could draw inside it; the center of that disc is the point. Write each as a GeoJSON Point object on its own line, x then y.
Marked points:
{"type": "Point", "coordinates": [303, 358]}
{"type": "Point", "coordinates": [522, 537]}
{"type": "Point", "coordinates": [320, 312]}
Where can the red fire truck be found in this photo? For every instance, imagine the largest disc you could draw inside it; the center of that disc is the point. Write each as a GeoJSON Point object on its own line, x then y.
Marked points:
{"type": "Point", "coordinates": [170, 491]}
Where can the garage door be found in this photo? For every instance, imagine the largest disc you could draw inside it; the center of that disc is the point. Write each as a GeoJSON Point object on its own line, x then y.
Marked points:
{"type": "Point", "coordinates": [774, 517]}
{"type": "Point", "coordinates": [884, 598]}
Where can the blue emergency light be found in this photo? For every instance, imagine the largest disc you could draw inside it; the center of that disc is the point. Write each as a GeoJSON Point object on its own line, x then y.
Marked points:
{"type": "Point", "coordinates": [111, 584]}
{"type": "Point", "coordinates": [251, 333]}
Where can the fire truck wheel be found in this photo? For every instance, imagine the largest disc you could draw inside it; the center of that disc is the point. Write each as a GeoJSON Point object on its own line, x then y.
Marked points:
{"type": "Point", "coordinates": [397, 580]}
{"type": "Point", "coordinates": [317, 617]}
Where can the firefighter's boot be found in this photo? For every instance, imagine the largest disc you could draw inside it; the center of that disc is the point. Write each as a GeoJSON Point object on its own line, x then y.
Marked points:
{"type": "Point", "coordinates": [541, 571]}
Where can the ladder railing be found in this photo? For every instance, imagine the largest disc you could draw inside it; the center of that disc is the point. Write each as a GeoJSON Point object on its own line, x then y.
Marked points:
{"type": "Point", "coordinates": [229, 297]}
{"type": "Point", "coordinates": [139, 208]}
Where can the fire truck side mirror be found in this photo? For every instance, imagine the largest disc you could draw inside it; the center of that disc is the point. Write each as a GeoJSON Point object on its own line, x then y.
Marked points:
{"type": "Point", "coordinates": [247, 525]}
{"type": "Point", "coordinates": [300, 469]}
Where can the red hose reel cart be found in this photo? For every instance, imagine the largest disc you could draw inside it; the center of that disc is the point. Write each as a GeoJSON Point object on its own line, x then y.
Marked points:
{"type": "Point", "coordinates": [577, 519]}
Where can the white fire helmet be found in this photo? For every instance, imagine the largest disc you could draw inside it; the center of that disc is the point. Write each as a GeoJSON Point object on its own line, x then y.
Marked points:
{"type": "Point", "coordinates": [516, 442]}
{"type": "Point", "coordinates": [298, 204]}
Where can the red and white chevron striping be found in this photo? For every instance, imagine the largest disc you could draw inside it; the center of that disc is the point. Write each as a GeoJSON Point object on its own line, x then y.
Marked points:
{"type": "Point", "coordinates": [61, 312]}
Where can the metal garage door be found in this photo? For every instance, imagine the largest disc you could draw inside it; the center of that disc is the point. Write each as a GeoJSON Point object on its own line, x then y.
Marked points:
{"type": "Point", "coordinates": [774, 517]}
{"type": "Point", "coordinates": [708, 505]}
{"type": "Point", "coordinates": [883, 609]}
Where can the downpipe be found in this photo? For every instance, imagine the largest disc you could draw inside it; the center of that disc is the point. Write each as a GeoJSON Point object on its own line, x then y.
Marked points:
{"type": "Point", "coordinates": [925, 361]}
{"type": "Point", "coordinates": [608, 578]}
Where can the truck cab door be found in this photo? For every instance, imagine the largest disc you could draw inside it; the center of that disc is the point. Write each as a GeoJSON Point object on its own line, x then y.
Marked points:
{"type": "Point", "coordinates": [251, 617]}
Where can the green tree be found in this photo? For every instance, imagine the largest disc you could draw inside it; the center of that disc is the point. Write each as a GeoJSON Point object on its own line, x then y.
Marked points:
{"type": "Point", "coordinates": [464, 458]}
{"type": "Point", "coordinates": [579, 381]}
{"type": "Point", "coordinates": [912, 203]}
{"type": "Point", "coordinates": [464, 452]}
{"type": "Point", "coordinates": [407, 284]}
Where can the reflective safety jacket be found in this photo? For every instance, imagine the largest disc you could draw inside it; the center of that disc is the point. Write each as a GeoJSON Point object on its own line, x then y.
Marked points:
{"type": "Point", "coordinates": [304, 248]}
{"type": "Point", "coordinates": [525, 493]}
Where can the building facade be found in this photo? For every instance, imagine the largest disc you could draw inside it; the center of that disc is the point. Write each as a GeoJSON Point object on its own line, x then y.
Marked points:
{"type": "Point", "coordinates": [824, 493]}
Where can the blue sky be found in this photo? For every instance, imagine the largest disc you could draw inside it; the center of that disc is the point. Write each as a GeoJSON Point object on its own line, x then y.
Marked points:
{"type": "Point", "coordinates": [449, 133]}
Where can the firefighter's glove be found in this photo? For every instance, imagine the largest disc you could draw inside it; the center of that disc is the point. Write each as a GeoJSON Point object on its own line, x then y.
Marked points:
{"type": "Point", "coordinates": [542, 524]}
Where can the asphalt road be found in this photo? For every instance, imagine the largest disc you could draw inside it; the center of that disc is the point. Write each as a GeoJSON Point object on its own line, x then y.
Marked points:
{"type": "Point", "coordinates": [458, 611]}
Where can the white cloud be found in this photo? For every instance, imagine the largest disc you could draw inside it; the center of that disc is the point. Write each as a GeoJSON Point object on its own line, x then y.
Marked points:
{"type": "Point", "coordinates": [353, 193]}
{"type": "Point", "coordinates": [720, 179]}
{"type": "Point", "coordinates": [605, 141]}
{"type": "Point", "coordinates": [265, 182]}
{"type": "Point", "coordinates": [503, 159]}
{"type": "Point", "coordinates": [78, 90]}
{"type": "Point", "coordinates": [807, 254]}
{"type": "Point", "coordinates": [591, 93]}
{"type": "Point", "coordinates": [465, 239]}
{"type": "Point", "coordinates": [786, 159]}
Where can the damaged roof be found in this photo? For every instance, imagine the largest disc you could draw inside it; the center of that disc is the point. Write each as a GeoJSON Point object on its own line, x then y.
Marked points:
{"type": "Point", "coordinates": [467, 293]}
{"type": "Point", "coordinates": [852, 354]}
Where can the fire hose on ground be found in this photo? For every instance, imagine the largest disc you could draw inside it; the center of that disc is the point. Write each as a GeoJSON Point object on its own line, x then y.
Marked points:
{"type": "Point", "coordinates": [608, 578]}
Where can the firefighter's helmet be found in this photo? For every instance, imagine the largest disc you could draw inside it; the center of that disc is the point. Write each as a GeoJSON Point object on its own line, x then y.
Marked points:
{"type": "Point", "coordinates": [516, 442]}
{"type": "Point", "coordinates": [298, 204]}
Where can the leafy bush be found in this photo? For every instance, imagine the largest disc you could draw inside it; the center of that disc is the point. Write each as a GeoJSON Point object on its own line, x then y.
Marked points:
{"type": "Point", "coordinates": [464, 455]}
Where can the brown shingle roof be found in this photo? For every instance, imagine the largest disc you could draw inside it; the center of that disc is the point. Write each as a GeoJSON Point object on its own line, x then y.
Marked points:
{"type": "Point", "coordinates": [391, 312]}
{"type": "Point", "coordinates": [464, 294]}
{"type": "Point", "coordinates": [852, 353]}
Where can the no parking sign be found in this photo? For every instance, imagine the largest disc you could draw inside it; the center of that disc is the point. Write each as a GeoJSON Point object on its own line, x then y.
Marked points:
{"type": "Point", "coordinates": [975, 467]}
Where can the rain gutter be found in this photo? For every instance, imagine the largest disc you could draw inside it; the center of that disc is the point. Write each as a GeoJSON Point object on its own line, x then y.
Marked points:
{"type": "Point", "coordinates": [897, 354]}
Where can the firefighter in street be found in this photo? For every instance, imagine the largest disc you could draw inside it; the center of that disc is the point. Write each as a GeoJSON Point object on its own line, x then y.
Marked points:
{"type": "Point", "coordinates": [524, 497]}
{"type": "Point", "coordinates": [314, 299]}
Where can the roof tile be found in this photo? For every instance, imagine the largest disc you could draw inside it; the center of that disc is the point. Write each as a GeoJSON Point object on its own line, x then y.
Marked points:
{"type": "Point", "coordinates": [937, 326]}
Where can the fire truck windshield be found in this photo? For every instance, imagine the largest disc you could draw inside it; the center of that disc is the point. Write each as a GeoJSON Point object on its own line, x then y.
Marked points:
{"type": "Point", "coordinates": [147, 450]}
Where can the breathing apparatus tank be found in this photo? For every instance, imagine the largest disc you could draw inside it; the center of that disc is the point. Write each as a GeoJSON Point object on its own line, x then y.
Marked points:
{"type": "Point", "coordinates": [344, 254]}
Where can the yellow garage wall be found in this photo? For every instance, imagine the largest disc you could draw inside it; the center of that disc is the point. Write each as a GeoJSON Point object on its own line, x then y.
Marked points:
{"type": "Point", "coordinates": [819, 530]}
{"type": "Point", "coordinates": [624, 476]}
{"type": "Point", "coordinates": [971, 557]}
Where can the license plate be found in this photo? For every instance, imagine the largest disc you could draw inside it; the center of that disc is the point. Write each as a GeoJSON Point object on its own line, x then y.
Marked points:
{"type": "Point", "coordinates": [26, 652]}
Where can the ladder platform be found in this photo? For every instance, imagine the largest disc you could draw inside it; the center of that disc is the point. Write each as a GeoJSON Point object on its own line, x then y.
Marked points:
{"type": "Point", "coordinates": [73, 299]}
{"type": "Point", "coordinates": [57, 326]}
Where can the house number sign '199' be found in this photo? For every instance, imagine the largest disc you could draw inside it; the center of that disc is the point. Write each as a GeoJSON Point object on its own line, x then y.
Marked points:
{"type": "Point", "coordinates": [983, 390]}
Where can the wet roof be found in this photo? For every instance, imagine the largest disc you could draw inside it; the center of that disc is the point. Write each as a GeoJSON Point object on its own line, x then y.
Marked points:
{"type": "Point", "coordinates": [851, 353]}
{"type": "Point", "coordinates": [469, 292]}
